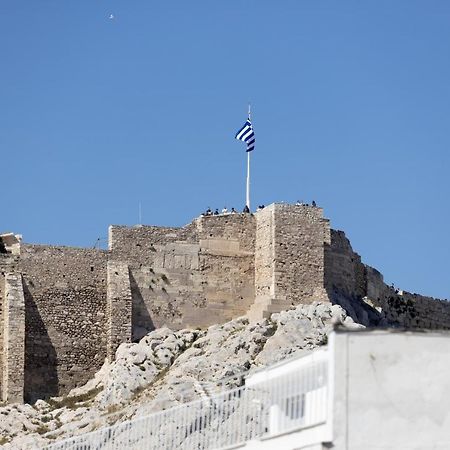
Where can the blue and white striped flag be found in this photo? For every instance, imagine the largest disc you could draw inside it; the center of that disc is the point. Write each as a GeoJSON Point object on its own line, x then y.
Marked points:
{"type": "Point", "coordinates": [247, 135]}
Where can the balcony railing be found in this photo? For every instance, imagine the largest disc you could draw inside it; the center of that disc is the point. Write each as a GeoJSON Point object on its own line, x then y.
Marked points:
{"type": "Point", "coordinates": [273, 401]}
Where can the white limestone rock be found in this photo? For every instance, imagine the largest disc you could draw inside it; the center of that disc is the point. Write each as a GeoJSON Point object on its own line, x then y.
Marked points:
{"type": "Point", "coordinates": [26, 442]}
{"type": "Point", "coordinates": [137, 365]}
{"type": "Point", "coordinates": [302, 329]}
{"type": "Point", "coordinates": [166, 368]}
{"type": "Point", "coordinates": [221, 352]}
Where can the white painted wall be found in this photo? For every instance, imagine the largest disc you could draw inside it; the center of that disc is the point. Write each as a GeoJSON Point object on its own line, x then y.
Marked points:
{"type": "Point", "coordinates": [392, 390]}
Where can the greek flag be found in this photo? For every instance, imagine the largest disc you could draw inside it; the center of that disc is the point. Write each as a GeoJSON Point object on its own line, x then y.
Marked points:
{"type": "Point", "coordinates": [247, 135]}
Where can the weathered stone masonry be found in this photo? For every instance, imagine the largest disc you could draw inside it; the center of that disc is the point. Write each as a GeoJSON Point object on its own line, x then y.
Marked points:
{"type": "Point", "coordinates": [65, 320]}
{"type": "Point", "coordinates": [13, 338]}
{"type": "Point", "coordinates": [12, 330]}
{"type": "Point", "coordinates": [193, 276]}
{"type": "Point", "coordinates": [289, 257]}
{"type": "Point", "coordinates": [64, 310]}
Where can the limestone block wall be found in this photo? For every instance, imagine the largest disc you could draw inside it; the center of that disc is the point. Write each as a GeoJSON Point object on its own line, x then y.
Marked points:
{"type": "Point", "coordinates": [65, 317]}
{"type": "Point", "coordinates": [2, 326]}
{"type": "Point", "coordinates": [227, 266]}
{"type": "Point", "coordinates": [406, 309]}
{"type": "Point", "coordinates": [418, 311]}
{"type": "Point", "coordinates": [161, 289]}
{"type": "Point", "coordinates": [300, 234]}
{"type": "Point", "coordinates": [119, 306]}
{"type": "Point", "coordinates": [233, 228]}
{"type": "Point", "coordinates": [150, 253]}
{"type": "Point", "coordinates": [348, 281]}
{"type": "Point", "coordinates": [8, 264]}
{"type": "Point", "coordinates": [80, 304]}
{"type": "Point", "coordinates": [138, 244]}
{"type": "Point", "coordinates": [345, 274]}
{"type": "Point", "coordinates": [289, 258]}
{"type": "Point", "coordinates": [197, 275]}
{"type": "Point", "coordinates": [265, 253]}
{"type": "Point", "coordinates": [13, 339]}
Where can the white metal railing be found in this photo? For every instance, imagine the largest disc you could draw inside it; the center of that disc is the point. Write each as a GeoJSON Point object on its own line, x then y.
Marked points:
{"type": "Point", "coordinates": [275, 401]}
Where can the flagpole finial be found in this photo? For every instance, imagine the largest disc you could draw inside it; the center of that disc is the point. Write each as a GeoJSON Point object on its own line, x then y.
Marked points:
{"type": "Point", "coordinates": [249, 110]}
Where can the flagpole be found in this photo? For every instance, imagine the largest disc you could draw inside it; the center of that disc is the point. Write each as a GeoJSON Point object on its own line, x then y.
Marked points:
{"type": "Point", "coordinates": [247, 198]}
{"type": "Point", "coordinates": [248, 181]}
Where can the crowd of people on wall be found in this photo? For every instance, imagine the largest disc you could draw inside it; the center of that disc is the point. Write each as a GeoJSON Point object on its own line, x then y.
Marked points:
{"type": "Point", "coordinates": [246, 210]}
{"type": "Point", "coordinates": [225, 211]}
{"type": "Point", "coordinates": [301, 203]}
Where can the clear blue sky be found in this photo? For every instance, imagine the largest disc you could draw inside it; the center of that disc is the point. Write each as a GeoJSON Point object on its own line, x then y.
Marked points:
{"type": "Point", "coordinates": [351, 107]}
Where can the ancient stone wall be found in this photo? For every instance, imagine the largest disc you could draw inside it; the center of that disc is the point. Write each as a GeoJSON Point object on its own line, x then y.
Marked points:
{"type": "Point", "coordinates": [8, 264]}
{"type": "Point", "coordinates": [299, 239]}
{"type": "Point", "coordinates": [191, 276]}
{"type": "Point", "coordinates": [237, 229]}
{"type": "Point", "coordinates": [344, 272]}
{"type": "Point", "coordinates": [80, 304]}
{"type": "Point", "coordinates": [265, 253]}
{"type": "Point", "coordinates": [13, 339]}
{"type": "Point", "coordinates": [65, 317]}
{"type": "Point", "coordinates": [138, 244]}
{"type": "Point", "coordinates": [119, 306]}
{"type": "Point", "coordinates": [227, 266]}
{"type": "Point", "coordinates": [2, 326]}
{"type": "Point", "coordinates": [289, 258]}
{"type": "Point", "coordinates": [404, 308]}
{"type": "Point", "coordinates": [357, 286]}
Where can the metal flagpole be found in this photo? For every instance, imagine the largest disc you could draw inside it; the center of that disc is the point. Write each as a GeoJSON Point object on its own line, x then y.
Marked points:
{"type": "Point", "coordinates": [247, 200]}
{"type": "Point", "coordinates": [248, 181]}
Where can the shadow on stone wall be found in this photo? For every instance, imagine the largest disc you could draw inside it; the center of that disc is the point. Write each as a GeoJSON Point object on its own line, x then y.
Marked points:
{"type": "Point", "coordinates": [141, 321]}
{"type": "Point", "coordinates": [41, 376]}
{"type": "Point", "coordinates": [2, 247]}
{"type": "Point", "coordinates": [340, 293]}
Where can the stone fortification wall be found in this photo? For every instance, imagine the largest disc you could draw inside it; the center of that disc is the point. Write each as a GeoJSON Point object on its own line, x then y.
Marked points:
{"type": "Point", "coordinates": [65, 317]}
{"type": "Point", "coordinates": [236, 229]}
{"type": "Point", "coordinates": [197, 275]}
{"type": "Point", "coordinates": [289, 258]}
{"type": "Point", "coordinates": [119, 306]}
{"type": "Point", "coordinates": [299, 239]}
{"type": "Point", "coordinates": [344, 271]}
{"type": "Point", "coordinates": [346, 281]}
{"type": "Point", "coordinates": [80, 304]}
{"type": "Point", "coordinates": [138, 244]}
{"type": "Point", "coordinates": [8, 264]}
{"type": "Point", "coordinates": [361, 290]}
{"type": "Point", "coordinates": [265, 253]}
{"type": "Point", "coordinates": [2, 325]}
{"type": "Point", "coordinates": [404, 308]}
{"type": "Point", "coordinates": [147, 250]}
{"type": "Point", "coordinates": [227, 267]}
{"type": "Point", "coordinates": [13, 339]}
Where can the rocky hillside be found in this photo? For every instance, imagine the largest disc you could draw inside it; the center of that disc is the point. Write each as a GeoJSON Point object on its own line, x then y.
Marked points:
{"type": "Point", "coordinates": [166, 368]}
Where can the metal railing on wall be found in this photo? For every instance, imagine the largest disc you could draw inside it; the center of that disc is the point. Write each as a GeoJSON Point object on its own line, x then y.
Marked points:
{"type": "Point", "coordinates": [267, 406]}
